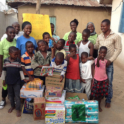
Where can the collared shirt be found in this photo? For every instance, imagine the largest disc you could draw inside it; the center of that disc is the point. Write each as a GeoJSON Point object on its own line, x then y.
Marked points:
{"type": "Point", "coordinates": [113, 44]}
{"type": "Point", "coordinates": [66, 48]}
{"type": "Point", "coordinates": [26, 62]}
{"type": "Point", "coordinates": [40, 60]}
{"type": "Point", "coordinates": [59, 68]}
{"type": "Point", "coordinates": [12, 72]}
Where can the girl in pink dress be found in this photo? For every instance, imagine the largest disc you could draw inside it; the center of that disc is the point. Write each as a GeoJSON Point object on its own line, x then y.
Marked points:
{"type": "Point", "coordinates": [100, 86]}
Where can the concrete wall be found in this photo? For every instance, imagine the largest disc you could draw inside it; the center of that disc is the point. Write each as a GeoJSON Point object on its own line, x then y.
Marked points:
{"type": "Point", "coordinates": [6, 20]}
{"type": "Point", "coordinates": [64, 14]}
{"type": "Point", "coordinates": [115, 21]}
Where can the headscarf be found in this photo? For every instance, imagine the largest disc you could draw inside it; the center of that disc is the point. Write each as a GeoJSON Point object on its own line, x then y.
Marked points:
{"type": "Point", "coordinates": [94, 32]}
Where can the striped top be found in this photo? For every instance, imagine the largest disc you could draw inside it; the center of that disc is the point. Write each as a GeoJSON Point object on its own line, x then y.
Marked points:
{"type": "Point", "coordinates": [26, 62]}
{"type": "Point", "coordinates": [66, 48]}
{"type": "Point", "coordinates": [113, 44]}
{"type": "Point", "coordinates": [59, 68]}
{"type": "Point", "coordinates": [12, 72]}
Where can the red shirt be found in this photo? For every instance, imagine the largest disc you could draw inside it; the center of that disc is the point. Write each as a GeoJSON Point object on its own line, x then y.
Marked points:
{"type": "Point", "coordinates": [67, 43]}
{"type": "Point", "coordinates": [73, 71]}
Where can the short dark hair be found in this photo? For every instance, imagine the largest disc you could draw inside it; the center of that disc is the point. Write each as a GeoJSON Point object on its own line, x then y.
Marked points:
{"type": "Point", "coordinates": [86, 31]}
{"type": "Point", "coordinates": [75, 21]}
{"type": "Point", "coordinates": [107, 21]}
{"type": "Point", "coordinates": [41, 41]}
{"type": "Point", "coordinates": [72, 46]}
{"type": "Point", "coordinates": [9, 28]}
{"type": "Point", "coordinates": [25, 23]}
{"type": "Point", "coordinates": [63, 41]}
{"type": "Point", "coordinates": [27, 43]}
{"type": "Point", "coordinates": [103, 47]}
{"type": "Point", "coordinates": [13, 49]}
{"type": "Point", "coordinates": [84, 54]}
{"type": "Point", "coordinates": [45, 33]}
{"type": "Point", "coordinates": [74, 33]}
{"type": "Point", "coordinates": [60, 55]}
{"type": "Point", "coordinates": [52, 24]}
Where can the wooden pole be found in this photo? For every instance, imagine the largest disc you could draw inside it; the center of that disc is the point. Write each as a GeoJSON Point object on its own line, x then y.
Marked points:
{"type": "Point", "coordinates": [38, 6]}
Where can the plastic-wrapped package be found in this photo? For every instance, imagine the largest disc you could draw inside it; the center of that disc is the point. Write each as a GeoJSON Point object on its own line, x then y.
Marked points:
{"type": "Point", "coordinates": [90, 108]}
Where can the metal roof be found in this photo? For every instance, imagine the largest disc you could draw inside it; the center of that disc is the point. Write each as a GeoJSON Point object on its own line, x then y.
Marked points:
{"type": "Point", "coordinates": [87, 3]}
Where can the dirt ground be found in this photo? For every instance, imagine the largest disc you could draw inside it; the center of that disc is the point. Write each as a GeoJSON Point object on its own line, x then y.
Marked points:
{"type": "Point", "coordinates": [113, 115]}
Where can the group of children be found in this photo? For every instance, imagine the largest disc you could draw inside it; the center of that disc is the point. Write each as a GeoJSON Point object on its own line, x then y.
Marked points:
{"type": "Point", "coordinates": [74, 62]}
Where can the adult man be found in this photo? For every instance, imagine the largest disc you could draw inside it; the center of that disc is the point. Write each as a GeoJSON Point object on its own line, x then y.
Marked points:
{"type": "Point", "coordinates": [113, 43]}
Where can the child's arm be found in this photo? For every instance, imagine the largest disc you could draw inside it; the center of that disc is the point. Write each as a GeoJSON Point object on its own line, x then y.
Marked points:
{"type": "Point", "coordinates": [90, 58]}
{"type": "Point", "coordinates": [91, 46]}
{"type": "Point", "coordinates": [24, 70]}
{"type": "Point", "coordinates": [53, 53]}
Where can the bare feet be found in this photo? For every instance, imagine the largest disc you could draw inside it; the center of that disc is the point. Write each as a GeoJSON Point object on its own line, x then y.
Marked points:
{"type": "Point", "coordinates": [18, 113]}
{"type": "Point", "coordinates": [107, 105]}
{"type": "Point", "coordinates": [100, 109]}
{"type": "Point", "coordinates": [11, 109]}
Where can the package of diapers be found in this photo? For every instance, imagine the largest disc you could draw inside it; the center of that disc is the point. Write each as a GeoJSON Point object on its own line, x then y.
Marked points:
{"type": "Point", "coordinates": [81, 111]}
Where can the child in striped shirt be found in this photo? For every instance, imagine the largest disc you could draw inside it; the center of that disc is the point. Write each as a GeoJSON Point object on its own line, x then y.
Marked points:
{"type": "Point", "coordinates": [59, 65]}
{"type": "Point", "coordinates": [71, 39]}
{"type": "Point", "coordinates": [26, 61]}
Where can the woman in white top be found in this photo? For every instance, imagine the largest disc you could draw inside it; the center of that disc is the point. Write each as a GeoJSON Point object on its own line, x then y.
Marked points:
{"type": "Point", "coordinates": [85, 45]}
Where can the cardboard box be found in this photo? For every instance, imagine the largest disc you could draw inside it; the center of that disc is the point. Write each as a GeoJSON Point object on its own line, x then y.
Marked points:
{"type": "Point", "coordinates": [80, 95]}
{"type": "Point", "coordinates": [24, 93]}
{"type": "Point", "coordinates": [27, 107]}
{"type": "Point", "coordinates": [55, 114]}
{"type": "Point", "coordinates": [54, 87]}
{"type": "Point", "coordinates": [56, 100]}
{"type": "Point", "coordinates": [39, 108]}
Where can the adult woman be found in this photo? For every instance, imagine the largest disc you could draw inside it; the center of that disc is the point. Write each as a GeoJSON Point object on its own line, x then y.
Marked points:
{"type": "Point", "coordinates": [73, 25]}
{"type": "Point", "coordinates": [54, 36]}
{"type": "Point", "coordinates": [4, 53]}
{"type": "Point", "coordinates": [93, 36]}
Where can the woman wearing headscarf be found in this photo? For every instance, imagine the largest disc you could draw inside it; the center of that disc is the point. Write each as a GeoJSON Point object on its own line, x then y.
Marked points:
{"type": "Point", "coordinates": [73, 24]}
{"type": "Point", "coordinates": [93, 36]}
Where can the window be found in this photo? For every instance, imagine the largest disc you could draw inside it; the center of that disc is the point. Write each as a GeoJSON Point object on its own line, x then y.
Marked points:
{"type": "Point", "coordinates": [53, 20]}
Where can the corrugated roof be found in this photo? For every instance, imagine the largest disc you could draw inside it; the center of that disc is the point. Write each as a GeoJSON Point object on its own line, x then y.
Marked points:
{"type": "Point", "coordinates": [88, 3]}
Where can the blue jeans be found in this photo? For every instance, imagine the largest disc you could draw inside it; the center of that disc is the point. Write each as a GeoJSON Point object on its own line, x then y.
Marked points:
{"type": "Point", "coordinates": [110, 71]}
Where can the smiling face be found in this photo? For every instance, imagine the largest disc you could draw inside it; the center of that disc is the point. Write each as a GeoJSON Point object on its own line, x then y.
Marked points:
{"type": "Point", "coordinates": [16, 26]}
{"type": "Point", "coordinates": [46, 38]}
{"type": "Point", "coordinates": [59, 45]}
{"type": "Point", "coordinates": [71, 37]}
{"type": "Point", "coordinates": [11, 33]}
{"type": "Point", "coordinates": [73, 26]}
{"type": "Point", "coordinates": [85, 36]}
{"type": "Point", "coordinates": [105, 27]}
{"type": "Point", "coordinates": [102, 53]}
{"type": "Point", "coordinates": [30, 47]}
{"type": "Point", "coordinates": [27, 30]}
{"type": "Point", "coordinates": [91, 28]}
{"type": "Point", "coordinates": [42, 46]}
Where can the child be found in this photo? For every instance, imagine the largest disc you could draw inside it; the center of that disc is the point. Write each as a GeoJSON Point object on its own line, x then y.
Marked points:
{"type": "Point", "coordinates": [85, 45]}
{"type": "Point", "coordinates": [100, 86]}
{"type": "Point", "coordinates": [12, 75]}
{"type": "Point", "coordinates": [59, 47]}
{"type": "Point", "coordinates": [41, 58]}
{"type": "Point", "coordinates": [18, 33]}
{"type": "Point", "coordinates": [21, 41]}
{"type": "Point", "coordinates": [86, 73]}
{"type": "Point", "coordinates": [72, 82]}
{"type": "Point", "coordinates": [26, 61]}
{"type": "Point", "coordinates": [71, 39]}
{"type": "Point", "coordinates": [46, 38]}
{"type": "Point", "coordinates": [59, 64]}
{"type": "Point", "coordinates": [4, 53]}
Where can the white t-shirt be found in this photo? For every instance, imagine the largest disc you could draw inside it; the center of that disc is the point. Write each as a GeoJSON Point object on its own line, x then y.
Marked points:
{"type": "Point", "coordinates": [85, 69]}
{"type": "Point", "coordinates": [16, 36]}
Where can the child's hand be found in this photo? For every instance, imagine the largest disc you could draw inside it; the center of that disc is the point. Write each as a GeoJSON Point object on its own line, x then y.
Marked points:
{"type": "Point", "coordinates": [45, 75]}
{"type": "Point", "coordinates": [83, 80]}
{"type": "Point", "coordinates": [61, 78]}
{"type": "Point", "coordinates": [52, 39]}
{"type": "Point", "coordinates": [4, 83]}
{"type": "Point", "coordinates": [31, 78]}
{"type": "Point", "coordinates": [40, 66]}
{"type": "Point", "coordinates": [26, 81]}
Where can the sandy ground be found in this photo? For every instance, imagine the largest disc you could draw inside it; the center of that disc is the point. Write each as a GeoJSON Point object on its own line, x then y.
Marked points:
{"type": "Point", "coordinates": [113, 115]}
